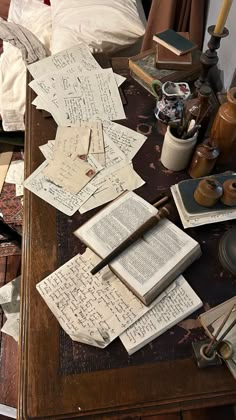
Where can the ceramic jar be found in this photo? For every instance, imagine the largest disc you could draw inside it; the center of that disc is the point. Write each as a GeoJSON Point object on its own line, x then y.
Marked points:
{"type": "Point", "coordinates": [203, 160]}
{"type": "Point", "coordinates": [208, 192]}
{"type": "Point", "coordinates": [229, 194]}
{"type": "Point", "coordinates": [223, 132]}
{"type": "Point", "coordinates": [170, 98]}
{"type": "Point", "coordinates": [176, 153]}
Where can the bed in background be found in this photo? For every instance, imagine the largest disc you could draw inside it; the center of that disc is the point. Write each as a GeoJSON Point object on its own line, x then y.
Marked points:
{"type": "Point", "coordinates": [116, 27]}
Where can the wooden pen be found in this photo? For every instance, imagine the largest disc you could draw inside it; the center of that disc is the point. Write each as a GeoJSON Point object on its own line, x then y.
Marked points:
{"type": "Point", "coordinates": [150, 223]}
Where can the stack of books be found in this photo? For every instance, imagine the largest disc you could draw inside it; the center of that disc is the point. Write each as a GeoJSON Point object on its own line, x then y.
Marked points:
{"type": "Point", "coordinates": [173, 50]}
{"type": "Point", "coordinates": [166, 62]}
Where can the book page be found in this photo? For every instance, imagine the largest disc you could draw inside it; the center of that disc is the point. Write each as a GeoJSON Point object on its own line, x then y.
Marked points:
{"type": "Point", "coordinates": [64, 201]}
{"type": "Point", "coordinates": [89, 96]}
{"type": "Point", "coordinates": [115, 222]}
{"type": "Point", "coordinates": [175, 304]}
{"type": "Point", "coordinates": [91, 309]}
{"type": "Point", "coordinates": [149, 260]}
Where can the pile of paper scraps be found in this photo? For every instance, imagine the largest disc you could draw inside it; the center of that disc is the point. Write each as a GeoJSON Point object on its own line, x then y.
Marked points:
{"type": "Point", "coordinates": [90, 161]}
{"type": "Point", "coordinates": [10, 303]}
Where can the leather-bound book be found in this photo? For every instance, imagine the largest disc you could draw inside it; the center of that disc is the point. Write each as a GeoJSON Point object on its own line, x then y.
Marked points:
{"type": "Point", "coordinates": [166, 59]}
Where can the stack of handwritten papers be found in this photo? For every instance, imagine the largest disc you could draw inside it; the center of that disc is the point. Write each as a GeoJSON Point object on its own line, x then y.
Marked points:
{"type": "Point", "coordinates": [96, 309]}
{"type": "Point", "coordinates": [90, 161]}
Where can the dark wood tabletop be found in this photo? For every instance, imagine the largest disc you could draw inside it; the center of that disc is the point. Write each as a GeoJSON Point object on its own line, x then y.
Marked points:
{"type": "Point", "coordinates": [44, 390]}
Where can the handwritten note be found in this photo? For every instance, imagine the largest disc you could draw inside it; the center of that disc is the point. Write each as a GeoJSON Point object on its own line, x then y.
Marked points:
{"type": "Point", "coordinates": [113, 154]}
{"type": "Point", "coordinates": [89, 96]}
{"type": "Point", "coordinates": [79, 54]}
{"type": "Point", "coordinates": [15, 173]}
{"type": "Point", "coordinates": [172, 306]}
{"type": "Point", "coordinates": [110, 183]}
{"type": "Point", "coordinates": [91, 309]}
{"type": "Point", "coordinates": [62, 200]}
{"type": "Point", "coordinates": [70, 174]}
{"type": "Point", "coordinates": [73, 141]}
{"type": "Point", "coordinates": [127, 140]}
{"type": "Point", "coordinates": [48, 152]}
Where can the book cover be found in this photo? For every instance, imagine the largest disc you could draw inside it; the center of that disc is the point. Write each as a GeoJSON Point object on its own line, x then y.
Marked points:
{"type": "Point", "coordinates": [175, 42]}
{"type": "Point", "coordinates": [150, 264]}
{"type": "Point", "coordinates": [169, 60]}
{"type": "Point", "coordinates": [143, 69]}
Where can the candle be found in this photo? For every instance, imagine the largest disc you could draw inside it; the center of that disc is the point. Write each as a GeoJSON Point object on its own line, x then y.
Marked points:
{"type": "Point", "coordinates": [224, 11]}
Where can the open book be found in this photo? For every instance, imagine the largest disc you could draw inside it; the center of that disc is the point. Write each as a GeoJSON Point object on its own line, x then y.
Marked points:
{"type": "Point", "coordinates": [149, 265]}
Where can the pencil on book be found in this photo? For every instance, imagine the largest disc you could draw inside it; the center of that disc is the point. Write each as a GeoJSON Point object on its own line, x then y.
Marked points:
{"type": "Point", "coordinates": [150, 223]}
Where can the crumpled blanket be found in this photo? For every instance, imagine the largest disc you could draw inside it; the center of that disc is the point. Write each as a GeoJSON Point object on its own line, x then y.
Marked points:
{"type": "Point", "coordinates": [31, 48]}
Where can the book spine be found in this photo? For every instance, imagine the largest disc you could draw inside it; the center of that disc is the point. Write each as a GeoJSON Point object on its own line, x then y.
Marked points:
{"type": "Point", "coordinates": [178, 76]}
{"type": "Point", "coordinates": [141, 82]}
{"type": "Point", "coordinates": [147, 78]}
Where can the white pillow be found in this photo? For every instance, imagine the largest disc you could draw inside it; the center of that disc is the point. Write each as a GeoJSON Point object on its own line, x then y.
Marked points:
{"type": "Point", "coordinates": [104, 25]}
{"type": "Point", "coordinates": [17, 7]}
{"type": "Point", "coordinates": [37, 18]}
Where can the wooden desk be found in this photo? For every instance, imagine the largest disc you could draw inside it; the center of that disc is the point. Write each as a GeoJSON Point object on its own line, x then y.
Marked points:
{"type": "Point", "coordinates": [151, 388]}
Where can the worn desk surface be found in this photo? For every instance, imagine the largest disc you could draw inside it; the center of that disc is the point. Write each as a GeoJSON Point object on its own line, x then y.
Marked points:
{"type": "Point", "coordinates": [44, 392]}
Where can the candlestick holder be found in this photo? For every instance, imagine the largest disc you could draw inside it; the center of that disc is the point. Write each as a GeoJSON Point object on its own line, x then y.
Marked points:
{"type": "Point", "coordinates": [209, 58]}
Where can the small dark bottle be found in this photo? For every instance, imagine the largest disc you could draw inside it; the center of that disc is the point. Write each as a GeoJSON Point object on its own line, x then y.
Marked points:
{"type": "Point", "coordinates": [203, 160]}
{"type": "Point", "coordinates": [200, 110]}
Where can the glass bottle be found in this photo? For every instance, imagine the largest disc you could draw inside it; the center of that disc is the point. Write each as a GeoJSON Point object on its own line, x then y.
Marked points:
{"type": "Point", "coordinates": [200, 110]}
{"type": "Point", "coordinates": [223, 131]}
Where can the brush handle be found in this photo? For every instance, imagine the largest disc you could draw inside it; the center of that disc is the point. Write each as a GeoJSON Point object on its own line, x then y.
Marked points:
{"type": "Point", "coordinates": [149, 224]}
